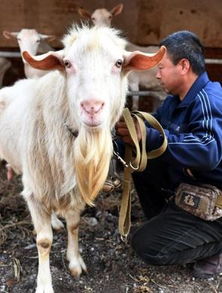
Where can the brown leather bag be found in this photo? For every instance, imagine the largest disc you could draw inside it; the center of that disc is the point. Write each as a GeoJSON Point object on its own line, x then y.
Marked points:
{"type": "Point", "coordinates": [203, 201]}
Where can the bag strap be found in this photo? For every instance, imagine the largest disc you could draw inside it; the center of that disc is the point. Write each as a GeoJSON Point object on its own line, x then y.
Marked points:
{"type": "Point", "coordinates": [136, 161]}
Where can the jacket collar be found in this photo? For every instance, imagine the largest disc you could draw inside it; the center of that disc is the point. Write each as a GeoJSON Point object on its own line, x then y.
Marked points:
{"type": "Point", "coordinates": [197, 86]}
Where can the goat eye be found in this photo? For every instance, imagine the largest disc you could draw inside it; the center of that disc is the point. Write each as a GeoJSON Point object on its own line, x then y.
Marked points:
{"type": "Point", "coordinates": [18, 39]}
{"type": "Point", "coordinates": [119, 63]}
{"type": "Point", "coordinates": [110, 17]}
{"type": "Point", "coordinates": [93, 18]}
{"type": "Point", "coordinates": [67, 64]}
{"type": "Point", "coordinates": [37, 41]}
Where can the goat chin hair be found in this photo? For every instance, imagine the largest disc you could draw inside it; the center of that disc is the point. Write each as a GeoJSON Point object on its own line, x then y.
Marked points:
{"type": "Point", "coordinates": [92, 155]}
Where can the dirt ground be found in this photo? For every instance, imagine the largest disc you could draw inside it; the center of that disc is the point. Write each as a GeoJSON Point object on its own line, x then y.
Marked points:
{"type": "Point", "coordinates": [112, 265]}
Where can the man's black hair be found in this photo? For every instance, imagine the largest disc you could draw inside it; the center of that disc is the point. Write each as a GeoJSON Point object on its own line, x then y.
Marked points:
{"type": "Point", "coordinates": [185, 44]}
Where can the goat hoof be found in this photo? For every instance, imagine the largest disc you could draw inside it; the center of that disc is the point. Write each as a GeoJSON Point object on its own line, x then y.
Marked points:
{"type": "Point", "coordinates": [56, 223]}
{"type": "Point", "coordinates": [77, 268]}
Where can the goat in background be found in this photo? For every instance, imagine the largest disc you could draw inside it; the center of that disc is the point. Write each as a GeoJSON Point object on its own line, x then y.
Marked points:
{"type": "Point", "coordinates": [32, 41]}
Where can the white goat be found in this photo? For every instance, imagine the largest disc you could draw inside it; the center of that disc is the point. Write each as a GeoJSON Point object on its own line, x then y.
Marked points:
{"type": "Point", "coordinates": [56, 131]}
{"type": "Point", "coordinates": [5, 64]}
{"type": "Point", "coordinates": [101, 16]}
{"type": "Point", "coordinates": [147, 79]}
{"type": "Point", "coordinates": [32, 41]}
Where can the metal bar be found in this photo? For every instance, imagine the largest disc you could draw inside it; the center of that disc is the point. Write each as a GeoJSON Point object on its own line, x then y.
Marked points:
{"type": "Point", "coordinates": [213, 61]}
{"type": "Point", "coordinates": [18, 54]}
{"type": "Point", "coordinates": [142, 93]}
{"type": "Point", "coordinates": [8, 54]}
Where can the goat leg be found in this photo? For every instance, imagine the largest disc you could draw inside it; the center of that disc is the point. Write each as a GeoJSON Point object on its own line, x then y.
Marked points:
{"type": "Point", "coordinates": [42, 223]}
{"type": "Point", "coordinates": [76, 263]}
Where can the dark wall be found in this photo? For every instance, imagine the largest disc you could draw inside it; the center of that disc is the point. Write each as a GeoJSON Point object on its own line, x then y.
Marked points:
{"type": "Point", "coordinates": [143, 22]}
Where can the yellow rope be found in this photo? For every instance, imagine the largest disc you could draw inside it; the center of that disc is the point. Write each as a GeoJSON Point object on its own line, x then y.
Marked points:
{"type": "Point", "coordinates": [137, 162]}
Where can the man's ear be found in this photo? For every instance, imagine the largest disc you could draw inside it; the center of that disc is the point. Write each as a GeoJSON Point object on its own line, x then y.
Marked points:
{"type": "Point", "coordinates": [185, 65]}
{"type": "Point", "coordinates": [141, 61]}
{"type": "Point", "coordinates": [49, 61]}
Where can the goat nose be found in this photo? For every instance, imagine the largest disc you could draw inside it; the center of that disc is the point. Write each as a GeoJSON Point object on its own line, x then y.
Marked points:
{"type": "Point", "coordinates": [92, 106]}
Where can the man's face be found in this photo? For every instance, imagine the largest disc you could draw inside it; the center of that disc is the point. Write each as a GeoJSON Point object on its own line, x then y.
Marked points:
{"type": "Point", "coordinates": [169, 75]}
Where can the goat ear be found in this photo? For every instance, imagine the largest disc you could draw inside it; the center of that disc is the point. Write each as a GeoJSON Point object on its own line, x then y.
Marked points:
{"type": "Point", "coordinates": [9, 35]}
{"type": "Point", "coordinates": [84, 13]}
{"type": "Point", "coordinates": [49, 61]}
{"type": "Point", "coordinates": [117, 9]}
{"type": "Point", "coordinates": [141, 61]}
{"type": "Point", "coordinates": [47, 37]}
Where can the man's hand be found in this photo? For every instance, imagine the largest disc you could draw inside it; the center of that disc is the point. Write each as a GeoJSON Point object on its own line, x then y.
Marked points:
{"type": "Point", "coordinates": [123, 132]}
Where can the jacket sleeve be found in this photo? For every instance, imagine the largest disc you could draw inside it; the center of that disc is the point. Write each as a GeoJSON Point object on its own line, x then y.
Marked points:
{"type": "Point", "coordinates": [199, 146]}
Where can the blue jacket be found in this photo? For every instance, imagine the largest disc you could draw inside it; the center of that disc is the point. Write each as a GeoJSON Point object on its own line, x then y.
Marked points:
{"type": "Point", "coordinates": [194, 131]}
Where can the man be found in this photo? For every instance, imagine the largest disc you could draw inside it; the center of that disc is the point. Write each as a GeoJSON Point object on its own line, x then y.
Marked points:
{"type": "Point", "coordinates": [192, 120]}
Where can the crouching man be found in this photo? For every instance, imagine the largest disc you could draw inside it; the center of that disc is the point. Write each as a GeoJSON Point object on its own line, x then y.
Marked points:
{"type": "Point", "coordinates": [182, 225]}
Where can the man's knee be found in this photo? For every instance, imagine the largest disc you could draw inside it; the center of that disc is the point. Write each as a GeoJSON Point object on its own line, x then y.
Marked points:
{"type": "Point", "coordinates": [148, 252]}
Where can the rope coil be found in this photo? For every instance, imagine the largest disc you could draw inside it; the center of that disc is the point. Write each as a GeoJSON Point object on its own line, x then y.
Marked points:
{"type": "Point", "coordinates": [137, 162]}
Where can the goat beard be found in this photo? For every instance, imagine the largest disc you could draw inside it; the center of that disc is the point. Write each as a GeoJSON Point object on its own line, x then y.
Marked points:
{"type": "Point", "coordinates": [92, 154]}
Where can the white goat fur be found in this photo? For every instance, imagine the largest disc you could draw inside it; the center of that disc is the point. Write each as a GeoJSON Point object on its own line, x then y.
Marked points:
{"type": "Point", "coordinates": [146, 79]}
{"type": "Point", "coordinates": [32, 41]}
{"type": "Point", "coordinates": [59, 171]}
